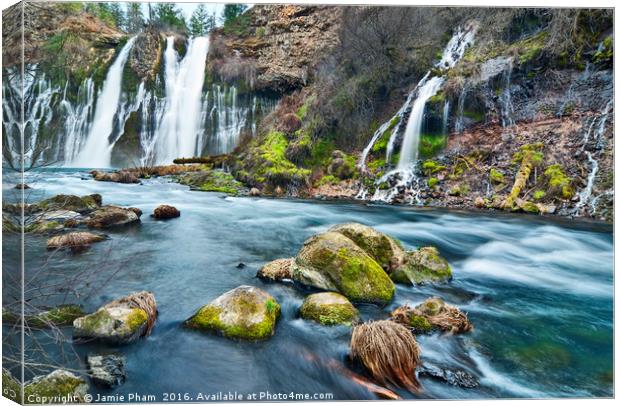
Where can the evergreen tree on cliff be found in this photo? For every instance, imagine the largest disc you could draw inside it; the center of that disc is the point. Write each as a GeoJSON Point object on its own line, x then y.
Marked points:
{"type": "Point", "coordinates": [201, 22]}
{"type": "Point", "coordinates": [135, 18]}
{"type": "Point", "coordinates": [232, 11]}
{"type": "Point", "coordinates": [168, 15]}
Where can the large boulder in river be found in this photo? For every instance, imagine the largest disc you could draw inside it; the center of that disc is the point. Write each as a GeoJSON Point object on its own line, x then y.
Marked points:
{"type": "Point", "coordinates": [331, 261]}
{"type": "Point", "coordinates": [110, 216]}
{"type": "Point", "coordinates": [386, 250]}
{"type": "Point", "coordinates": [277, 270]}
{"type": "Point", "coordinates": [74, 203]}
{"type": "Point", "coordinates": [421, 266]}
{"type": "Point", "coordinates": [329, 308]}
{"type": "Point", "coordinates": [245, 312]}
{"type": "Point", "coordinates": [121, 321]}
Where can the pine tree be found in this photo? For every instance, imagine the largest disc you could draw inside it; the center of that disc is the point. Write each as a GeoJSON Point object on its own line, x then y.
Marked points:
{"type": "Point", "coordinates": [118, 15]}
{"type": "Point", "coordinates": [232, 11]}
{"type": "Point", "coordinates": [199, 22]}
{"type": "Point", "coordinates": [135, 18]}
{"type": "Point", "coordinates": [167, 14]}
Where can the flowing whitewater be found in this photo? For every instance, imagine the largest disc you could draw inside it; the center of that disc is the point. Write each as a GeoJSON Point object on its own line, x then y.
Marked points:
{"type": "Point", "coordinates": [97, 150]}
{"type": "Point", "coordinates": [180, 127]}
{"type": "Point", "coordinates": [403, 180]}
{"type": "Point", "coordinates": [539, 292]}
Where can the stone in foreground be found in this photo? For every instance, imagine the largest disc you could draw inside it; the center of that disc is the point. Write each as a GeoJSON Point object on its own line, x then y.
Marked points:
{"type": "Point", "coordinates": [329, 308]}
{"type": "Point", "coordinates": [278, 270]}
{"type": "Point", "coordinates": [245, 312]}
{"type": "Point", "coordinates": [75, 241]}
{"type": "Point", "coordinates": [121, 321]}
{"type": "Point", "coordinates": [106, 370]}
{"type": "Point", "coordinates": [332, 261]}
{"type": "Point", "coordinates": [59, 386]}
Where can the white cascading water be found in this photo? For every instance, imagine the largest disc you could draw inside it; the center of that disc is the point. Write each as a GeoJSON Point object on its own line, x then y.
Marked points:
{"type": "Point", "coordinates": [181, 123]}
{"type": "Point", "coordinates": [403, 178]}
{"type": "Point", "coordinates": [76, 119]}
{"type": "Point", "coordinates": [97, 150]}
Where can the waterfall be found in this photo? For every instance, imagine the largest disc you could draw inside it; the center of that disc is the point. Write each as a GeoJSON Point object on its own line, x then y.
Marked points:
{"type": "Point", "coordinates": [97, 150]}
{"type": "Point", "coordinates": [76, 119]}
{"type": "Point", "coordinates": [37, 98]}
{"type": "Point", "coordinates": [180, 126]}
{"type": "Point", "coordinates": [446, 117]}
{"type": "Point", "coordinates": [411, 140]}
{"type": "Point", "coordinates": [402, 180]}
{"type": "Point", "coordinates": [506, 98]}
{"type": "Point", "coordinates": [460, 108]}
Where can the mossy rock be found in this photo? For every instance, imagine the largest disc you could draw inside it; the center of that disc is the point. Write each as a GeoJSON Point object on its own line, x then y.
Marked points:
{"type": "Point", "coordinates": [422, 266]}
{"type": "Point", "coordinates": [43, 227]}
{"type": "Point", "coordinates": [213, 181]}
{"type": "Point", "coordinates": [332, 261]}
{"type": "Point", "coordinates": [51, 388]}
{"type": "Point", "coordinates": [116, 322]}
{"type": "Point", "coordinates": [559, 183]}
{"type": "Point", "coordinates": [62, 315]}
{"type": "Point", "coordinates": [245, 312]}
{"type": "Point", "coordinates": [384, 249]}
{"type": "Point", "coordinates": [432, 315]}
{"type": "Point", "coordinates": [71, 203]}
{"type": "Point", "coordinates": [329, 308]}
{"type": "Point", "coordinates": [277, 270]}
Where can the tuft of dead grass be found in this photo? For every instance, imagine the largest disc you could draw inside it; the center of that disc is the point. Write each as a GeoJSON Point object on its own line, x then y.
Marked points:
{"type": "Point", "coordinates": [142, 300]}
{"type": "Point", "coordinates": [439, 314]}
{"type": "Point", "coordinates": [388, 351]}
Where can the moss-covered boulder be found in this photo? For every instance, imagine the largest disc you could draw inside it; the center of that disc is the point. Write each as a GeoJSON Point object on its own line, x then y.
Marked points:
{"type": "Point", "coordinates": [213, 181]}
{"type": "Point", "coordinates": [332, 261]}
{"type": "Point", "coordinates": [384, 249]}
{"type": "Point", "coordinates": [329, 308]}
{"type": "Point", "coordinates": [112, 216]}
{"type": "Point", "coordinates": [278, 270]}
{"type": "Point", "coordinates": [245, 312]}
{"type": "Point", "coordinates": [422, 266]}
{"type": "Point", "coordinates": [54, 387]}
{"type": "Point", "coordinates": [432, 314]}
{"type": "Point", "coordinates": [74, 203]}
{"type": "Point", "coordinates": [62, 315]}
{"type": "Point", "coordinates": [121, 321]}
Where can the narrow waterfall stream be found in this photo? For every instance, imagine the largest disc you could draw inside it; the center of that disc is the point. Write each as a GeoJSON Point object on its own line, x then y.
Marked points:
{"type": "Point", "coordinates": [403, 179]}
{"type": "Point", "coordinates": [97, 150]}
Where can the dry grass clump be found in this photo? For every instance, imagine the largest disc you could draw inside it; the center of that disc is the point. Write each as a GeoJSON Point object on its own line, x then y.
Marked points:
{"type": "Point", "coordinates": [142, 300]}
{"type": "Point", "coordinates": [74, 241]}
{"type": "Point", "coordinates": [388, 351]}
{"type": "Point", "coordinates": [433, 313]}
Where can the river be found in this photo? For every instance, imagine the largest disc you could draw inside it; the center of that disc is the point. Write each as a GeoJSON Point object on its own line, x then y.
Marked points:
{"type": "Point", "coordinates": [539, 292]}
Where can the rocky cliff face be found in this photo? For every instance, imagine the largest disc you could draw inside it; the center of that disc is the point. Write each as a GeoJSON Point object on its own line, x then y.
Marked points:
{"type": "Point", "coordinates": [277, 47]}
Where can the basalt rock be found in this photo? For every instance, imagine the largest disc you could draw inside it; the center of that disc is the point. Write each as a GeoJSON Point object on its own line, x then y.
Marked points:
{"type": "Point", "coordinates": [111, 216]}
{"type": "Point", "coordinates": [73, 203]}
{"type": "Point", "coordinates": [245, 312]}
{"type": "Point", "coordinates": [75, 241]}
{"type": "Point", "coordinates": [166, 212]}
{"type": "Point", "coordinates": [455, 377]}
{"type": "Point", "coordinates": [277, 270]}
{"type": "Point", "coordinates": [329, 308]}
{"type": "Point", "coordinates": [106, 370]}
{"type": "Point", "coordinates": [121, 321]}
{"type": "Point", "coordinates": [422, 266]}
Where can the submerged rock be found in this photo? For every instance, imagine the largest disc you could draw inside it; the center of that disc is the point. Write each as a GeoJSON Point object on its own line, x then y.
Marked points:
{"type": "Point", "coordinates": [245, 312]}
{"type": "Point", "coordinates": [388, 351]}
{"type": "Point", "coordinates": [166, 212]}
{"type": "Point", "coordinates": [111, 216]}
{"type": "Point", "coordinates": [329, 308]}
{"type": "Point", "coordinates": [62, 315]}
{"type": "Point", "coordinates": [384, 249]}
{"type": "Point", "coordinates": [450, 376]}
{"type": "Point", "coordinates": [121, 321]}
{"type": "Point", "coordinates": [331, 261]}
{"type": "Point", "coordinates": [22, 186]}
{"type": "Point", "coordinates": [107, 370]}
{"type": "Point", "coordinates": [432, 314]}
{"type": "Point", "coordinates": [278, 270]}
{"type": "Point", "coordinates": [423, 265]}
{"type": "Point", "coordinates": [75, 241]}
{"type": "Point", "coordinates": [118, 177]}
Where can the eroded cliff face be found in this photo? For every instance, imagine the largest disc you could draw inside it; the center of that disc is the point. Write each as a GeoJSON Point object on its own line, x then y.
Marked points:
{"type": "Point", "coordinates": [277, 47]}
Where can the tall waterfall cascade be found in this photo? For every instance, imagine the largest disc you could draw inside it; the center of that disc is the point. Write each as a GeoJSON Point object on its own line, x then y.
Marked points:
{"type": "Point", "coordinates": [97, 150]}
{"type": "Point", "coordinates": [403, 179]}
